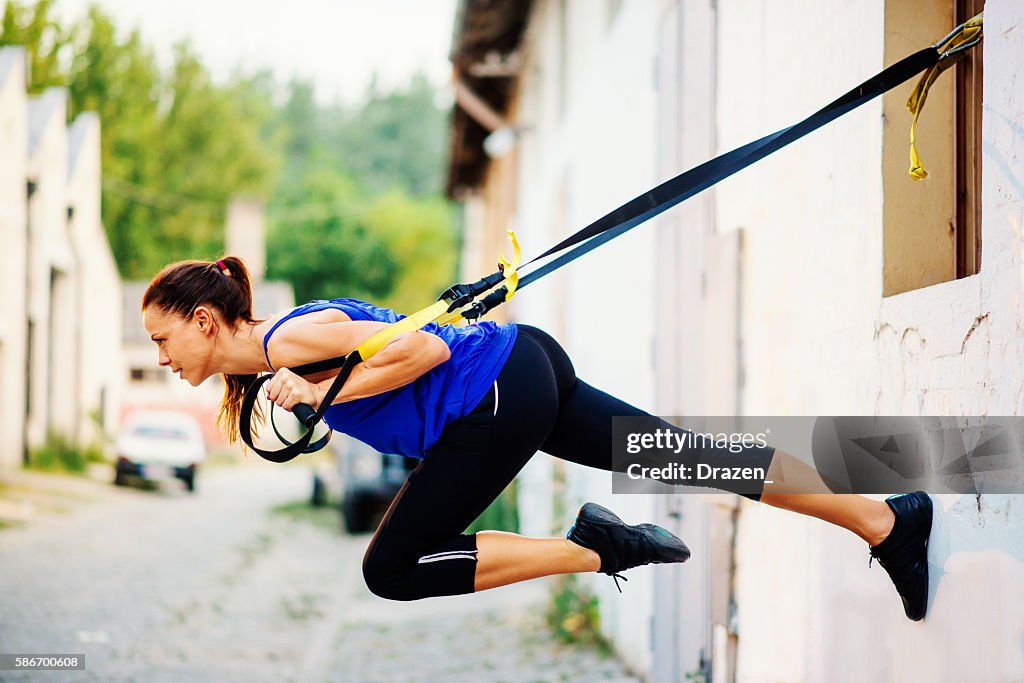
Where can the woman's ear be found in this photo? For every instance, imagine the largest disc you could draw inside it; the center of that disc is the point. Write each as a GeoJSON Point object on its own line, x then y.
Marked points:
{"type": "Point", "coordinates": [203, 318]}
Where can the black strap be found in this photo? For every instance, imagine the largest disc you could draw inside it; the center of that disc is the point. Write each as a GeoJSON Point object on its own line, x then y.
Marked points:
{"type": "Point", "coordinates": [345, 363]}
{"type": "Point", "coordinates": [615, 223]}
{"type": "Point", "coordinates": [699, 178]}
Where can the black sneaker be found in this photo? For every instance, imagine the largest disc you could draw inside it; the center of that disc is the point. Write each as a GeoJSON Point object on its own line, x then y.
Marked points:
{"type": "Point", "coordinates": [904, 552]}
{"type": "Point", "coordinates": [622, 546]}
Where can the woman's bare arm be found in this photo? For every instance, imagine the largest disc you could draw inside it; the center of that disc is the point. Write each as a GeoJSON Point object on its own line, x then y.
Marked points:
{"type": "Point", "coordinates": [404, 358]}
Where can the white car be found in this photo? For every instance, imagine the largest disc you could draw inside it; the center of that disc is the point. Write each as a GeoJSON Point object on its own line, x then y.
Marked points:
{"type": "Point", "coordinates": [159, 445]}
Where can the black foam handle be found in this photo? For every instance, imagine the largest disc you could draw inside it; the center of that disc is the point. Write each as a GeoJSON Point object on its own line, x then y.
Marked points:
{"type": "Point", "coordinates": [306, 415]}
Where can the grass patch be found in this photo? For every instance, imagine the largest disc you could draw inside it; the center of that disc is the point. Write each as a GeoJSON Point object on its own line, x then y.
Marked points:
{"type": "Point", "coordinates": [573, 615]}
{"type": "Point", "coordinates": [60, 454]}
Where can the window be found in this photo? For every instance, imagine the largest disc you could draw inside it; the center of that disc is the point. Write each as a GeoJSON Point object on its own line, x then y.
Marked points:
{"type": "Point", "coordinates": [155, 375]}
{"type": "Point", "coordinates": [931, 228]}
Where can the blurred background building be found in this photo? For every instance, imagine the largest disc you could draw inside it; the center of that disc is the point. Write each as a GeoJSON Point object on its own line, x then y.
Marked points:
{"type": "Point", "coordinates": [60, 360]}
{"type": "Point", "coordinates": [74, 356]}
{"type": "Point", "coordinates": [821, 281]}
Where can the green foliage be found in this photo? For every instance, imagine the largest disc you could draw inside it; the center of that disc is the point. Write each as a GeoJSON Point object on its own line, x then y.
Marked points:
{"type": "Point", "coordinates": [322, 246]}
{"type": "Point", "coordinates": [420, 236]}
{"type": "Point", "coordinates": [573, 614]}
{"type": "Point", "coordinates": [395, 139]}
{"type": "Point", "coordinates": [175, 146]}
{"type": "Point", "coordinates": [501, 515]}
{"type": "Point", "coordinates": [60, 454]}
{"type": "Point", "coordinates": [45, 41]}
{"type": "Point", "coordinates": [357, 210]}
{"type": "Point", "coordinates": [354, 200]}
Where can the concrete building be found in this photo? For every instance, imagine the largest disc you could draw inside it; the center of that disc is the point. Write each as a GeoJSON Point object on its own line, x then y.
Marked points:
{"type": "Point", "coordinates": [821, 281]}
{"type": "Point", "coordinates": [60, 366]}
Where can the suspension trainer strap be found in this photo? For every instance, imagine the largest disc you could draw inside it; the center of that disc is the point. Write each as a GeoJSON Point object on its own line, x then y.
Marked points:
{"type": "Point", "coordinates": [648, 205]}
{"type": "Point", "coordinates": [458, 304]}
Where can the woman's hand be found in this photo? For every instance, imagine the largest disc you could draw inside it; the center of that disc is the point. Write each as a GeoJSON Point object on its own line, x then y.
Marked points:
{"type": "Point", "coordinates": [287, 389]}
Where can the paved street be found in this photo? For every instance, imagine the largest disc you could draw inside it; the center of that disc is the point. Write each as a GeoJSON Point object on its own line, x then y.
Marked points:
{"type": "Point", "coordinates": [167, 586]}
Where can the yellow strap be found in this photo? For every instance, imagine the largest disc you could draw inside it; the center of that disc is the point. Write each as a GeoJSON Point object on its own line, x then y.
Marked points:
{"type": "Point", "coordinates": [509, 269]}
{"type": "Point", "coordinates": [915, 104]}
{"type": "Point", "coordinates": [971, 31]}
{"type": "Point", "coordinates": [438, 312]}
{"type": "Point", "coordinates": [408, 324]}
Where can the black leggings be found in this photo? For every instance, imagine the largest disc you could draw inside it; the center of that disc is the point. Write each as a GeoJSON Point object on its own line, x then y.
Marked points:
{"type": "Point", "coordinates": [537, 403]}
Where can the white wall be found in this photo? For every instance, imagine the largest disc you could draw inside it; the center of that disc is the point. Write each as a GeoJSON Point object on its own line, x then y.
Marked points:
{"type": "Point", "coordinates": [14, 138]}
{"type": "Point", "coordinates": [51, 308]}
{"type": "Point", "coordinates": [821, 340]}
{"type": "Point", "coordinates": [56, 270]}
{"type": "Point", "coordinates": [791, 323]}
{"type": "Point", "coordinates": [578, 162]}
{"type": "Point", "coordinates": [100, 363]}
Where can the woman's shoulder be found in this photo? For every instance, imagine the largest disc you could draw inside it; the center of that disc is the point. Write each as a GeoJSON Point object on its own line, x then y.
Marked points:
{"type": "Point", "coordinates": [308, 313]}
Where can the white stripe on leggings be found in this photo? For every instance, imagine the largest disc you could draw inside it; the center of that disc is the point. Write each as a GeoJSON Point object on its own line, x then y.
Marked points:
{"type": "Point", "coordinates": [450, 552]}
{"type": "Point", "coordinates": [462, 556]}
{"type": "Point", "coordinates": [495, 398]}
{"type": "Point", "coordinates": [449, 555]}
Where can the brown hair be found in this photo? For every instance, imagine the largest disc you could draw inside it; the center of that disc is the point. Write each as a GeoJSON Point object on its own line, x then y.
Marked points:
{"type": "Point", "coordinates": [225, 285]}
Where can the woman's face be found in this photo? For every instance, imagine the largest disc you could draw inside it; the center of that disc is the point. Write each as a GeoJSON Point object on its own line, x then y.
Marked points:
{"type": "Point", "coordinates": [185, 345]}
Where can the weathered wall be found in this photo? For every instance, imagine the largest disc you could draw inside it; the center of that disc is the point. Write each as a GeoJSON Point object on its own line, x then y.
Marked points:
{"type": "Point", "coordinates": [819, 338]}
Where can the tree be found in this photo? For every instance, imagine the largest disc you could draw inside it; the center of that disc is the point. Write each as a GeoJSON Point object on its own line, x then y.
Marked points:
{"type": "Point", "coordinates": [120, 81]}
{"type": "Point", "coordinates": [45, 41]}
{"type": "Point", "coordinates": [368, 199]}
{"type": "Point", "coordinates": [421, 238]}
{"type": "Point", "coordinates": [322, 245]}
{"type": "Point", "coordinates": [175, 147]}
{"type": "Point", "coordinates": [395, 139]}
{"type": "Point", "coordinates": [357, 210]}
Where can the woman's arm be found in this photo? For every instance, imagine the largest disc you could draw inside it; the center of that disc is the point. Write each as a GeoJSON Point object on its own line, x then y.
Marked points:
{"type": "Point", "coordinates": [404, 358]}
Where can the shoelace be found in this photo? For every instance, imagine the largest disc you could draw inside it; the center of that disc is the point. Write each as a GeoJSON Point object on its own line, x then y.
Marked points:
{"type": "Point", "coordinates": [871, 556]}
{"type": "Point", "coordinates": [617, 577]}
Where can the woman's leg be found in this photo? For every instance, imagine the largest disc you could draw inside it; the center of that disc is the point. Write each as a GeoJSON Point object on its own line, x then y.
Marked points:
{"type": "Point", "coordinates": [419, 550]}
{"type": "Point", "coordinates": [797, 487]}
{"type": "Point", "coordinates": [897, 530]}
{"type": "Point", "coordinates": [510, 558]}
{"type": "Point", "coordinates": [583, 434]}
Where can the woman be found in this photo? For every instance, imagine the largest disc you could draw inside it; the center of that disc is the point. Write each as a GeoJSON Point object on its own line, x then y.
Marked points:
{"type": "Point", "coordinates": [474, 404]}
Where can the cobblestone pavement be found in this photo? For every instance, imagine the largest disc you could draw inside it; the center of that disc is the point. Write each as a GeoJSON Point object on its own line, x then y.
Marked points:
{"type": "Point", "coordinates": [167, 586]}
{"type": "Point", "coordinates": [504, 641]}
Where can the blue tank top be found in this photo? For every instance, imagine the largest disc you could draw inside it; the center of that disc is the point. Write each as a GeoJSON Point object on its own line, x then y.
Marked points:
{"type": "Point", "coordinates": [409, 420]}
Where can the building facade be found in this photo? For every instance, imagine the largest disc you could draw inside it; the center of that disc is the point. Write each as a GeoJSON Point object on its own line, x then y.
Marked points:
{"type": "Point", "coordinates": [60, 356]}
{"type": "Point", "coordinates": [821, 281]}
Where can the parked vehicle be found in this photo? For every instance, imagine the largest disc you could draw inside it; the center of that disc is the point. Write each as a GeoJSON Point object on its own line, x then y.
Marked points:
{"type": "Point", "coordinates": [369, 482]}
{"type": "Point", "coordinates": [159, 445]}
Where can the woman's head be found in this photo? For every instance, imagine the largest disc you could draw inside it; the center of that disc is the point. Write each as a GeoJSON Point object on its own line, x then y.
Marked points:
{"type": "Point", "coordinates": [187, 309]}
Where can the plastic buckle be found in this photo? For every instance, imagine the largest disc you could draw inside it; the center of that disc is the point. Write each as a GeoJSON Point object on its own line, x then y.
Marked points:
{"type": "Point", "coordinates": [475, 311]}
{"type": "Point", "coordinates": [457, 295]}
